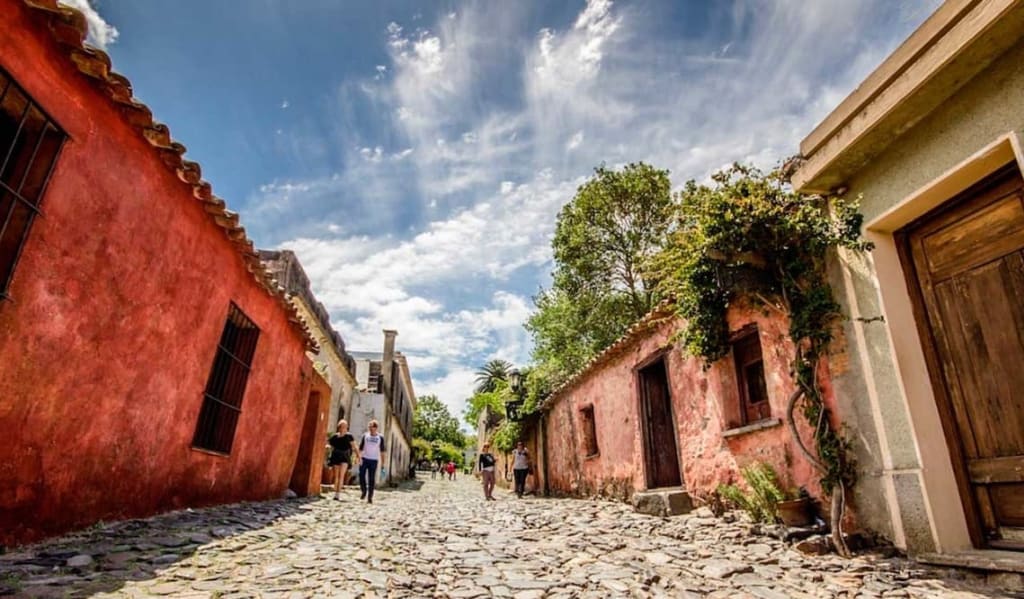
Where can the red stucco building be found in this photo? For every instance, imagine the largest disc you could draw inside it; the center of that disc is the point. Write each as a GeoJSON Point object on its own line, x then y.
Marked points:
{"type": "Point", "coordinates": [644, 415]}
{"type": "Point", "coordinates": [146, 360]}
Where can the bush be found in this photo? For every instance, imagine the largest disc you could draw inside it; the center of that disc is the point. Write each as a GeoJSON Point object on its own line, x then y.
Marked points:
{"type": "Point", "coordinates": [764, 494]}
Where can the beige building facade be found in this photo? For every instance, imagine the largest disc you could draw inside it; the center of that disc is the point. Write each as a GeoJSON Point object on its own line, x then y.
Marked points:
{"type": "Point", "coordinates": [331, 359]}
{"type": "Point", "coordinates": [931, 143]}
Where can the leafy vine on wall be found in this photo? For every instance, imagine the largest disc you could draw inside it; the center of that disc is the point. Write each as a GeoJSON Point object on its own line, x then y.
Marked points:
{"type": "Point", "coordinates": [748, 234]}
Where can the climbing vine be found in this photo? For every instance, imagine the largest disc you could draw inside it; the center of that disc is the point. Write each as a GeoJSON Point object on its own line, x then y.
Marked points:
{"type": "Point", "coordinates": [748, 235]}
{"type": "Point", "coordinates": [506, 436]}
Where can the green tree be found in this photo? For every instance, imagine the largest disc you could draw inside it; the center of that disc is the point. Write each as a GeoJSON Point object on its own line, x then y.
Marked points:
{"type": "Point", "coordinates": [488, 376]}
{"type": "Point", "coordinates": [604, 239]}
{"type": "Point", "coordinates": [568, 330]}
{"type": "Point", "coordinates": [447, 452]}
{"type": "Point", "coordinates": [610, 229]}
{"type": "Point", "coordinates": [421, 449]}
{"type": "Point", "coordinates": [433, 422]}
{"type": "Point", "coordinates": [495, 400]}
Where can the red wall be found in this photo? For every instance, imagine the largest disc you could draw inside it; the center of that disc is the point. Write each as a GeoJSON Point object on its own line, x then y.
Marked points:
{"type": "Point", "coordinates": [309, 464]}
{"type": "Point", "coordinates": [700, 400]}
{"type": "Point", "coordinates": [120, 297]}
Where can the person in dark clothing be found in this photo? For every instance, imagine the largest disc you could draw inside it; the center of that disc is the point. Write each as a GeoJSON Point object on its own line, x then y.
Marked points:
{"type": "Point", "coordinates": [520, 467]}
{"type": "Point", "coordinates": [372, 446]}
{"type": "Point", "coordinates": [486, 466]}
{"type": "Point", "coordinates": [342, 447]}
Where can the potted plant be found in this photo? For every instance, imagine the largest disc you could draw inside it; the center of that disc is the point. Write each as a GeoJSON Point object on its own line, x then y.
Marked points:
{"type": "Point", "coordinates": [765, 500]}
{"type": "Point", "coordinates": [796, 509]}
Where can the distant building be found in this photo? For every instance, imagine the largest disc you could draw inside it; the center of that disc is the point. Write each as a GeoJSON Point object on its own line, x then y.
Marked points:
{"type": "Point", "coordinates": [384, 392]}
{"type": "Point", "coordinates": [331, 360]}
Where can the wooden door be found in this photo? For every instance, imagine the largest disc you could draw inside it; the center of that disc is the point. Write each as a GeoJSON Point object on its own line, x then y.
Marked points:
{"type": "Point", "coordinates": [968, 279]}
{"type": "Point", "coordinates": [661, 457]}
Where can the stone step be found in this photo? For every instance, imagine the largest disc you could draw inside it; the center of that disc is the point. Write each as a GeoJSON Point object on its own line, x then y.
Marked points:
{"type": "Point", "coordinates": [663, 502]}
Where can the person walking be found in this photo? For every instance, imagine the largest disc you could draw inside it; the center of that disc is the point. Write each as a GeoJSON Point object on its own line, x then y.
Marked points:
{"type": "Point", "coordinates": [520, 467]}
{"type": "Point", "coordinates": [486, 467]}
{"type": "Point", "coordinates": [372, 448]}
{"type": "Point", "coordinates": [342, 447]}
{"type": "Point", "coordinates": [450, 469]}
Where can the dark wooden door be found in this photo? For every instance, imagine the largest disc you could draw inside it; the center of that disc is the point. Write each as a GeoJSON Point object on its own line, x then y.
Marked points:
{"type": "Point", "coordinates": [968, 261]}
{"type": "Point", "coordinates": [659, 430]}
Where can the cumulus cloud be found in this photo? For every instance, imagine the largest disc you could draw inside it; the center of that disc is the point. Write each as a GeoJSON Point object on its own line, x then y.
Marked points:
{"type": "Point", "coordinates": [440, 226]}
{"type": "Point", "coordinates": [101, 33]}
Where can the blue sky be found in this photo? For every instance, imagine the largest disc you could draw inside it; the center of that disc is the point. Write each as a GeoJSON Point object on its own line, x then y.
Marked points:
{"type": "Point", "coordinates": [415, 154]}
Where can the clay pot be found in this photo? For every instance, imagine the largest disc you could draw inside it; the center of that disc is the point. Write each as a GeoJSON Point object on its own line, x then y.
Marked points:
{"type": "Point", "coordinates": [796, 512]}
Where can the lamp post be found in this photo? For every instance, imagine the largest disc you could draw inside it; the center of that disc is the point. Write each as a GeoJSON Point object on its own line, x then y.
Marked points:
{"type": "Point", "coordinates": [514, 407]}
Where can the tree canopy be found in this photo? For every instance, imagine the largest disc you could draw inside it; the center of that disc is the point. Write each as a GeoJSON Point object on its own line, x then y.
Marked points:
{"type": "Point", "coordinates": [604, 238]}
{"type": "Point", "coordinates": [488, 376]}
{"type": "Point", "coordinates": [495, 400]}
{"type": "Point", "coordinates": [433, 422]}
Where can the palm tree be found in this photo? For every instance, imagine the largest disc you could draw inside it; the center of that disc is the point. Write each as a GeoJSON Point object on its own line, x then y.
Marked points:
{"type": "Point", "coordinates": [487, 377]}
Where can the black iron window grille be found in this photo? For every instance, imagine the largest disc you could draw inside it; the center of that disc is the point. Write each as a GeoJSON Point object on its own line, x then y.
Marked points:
{"type": "Point", "coordinates": [29, 145]}
{"type": "Point", "coordinates": [222, 400]}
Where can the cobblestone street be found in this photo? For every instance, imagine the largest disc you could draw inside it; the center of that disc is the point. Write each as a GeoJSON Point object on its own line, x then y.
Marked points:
{"type": "Point", "coordinates": [438, 538]}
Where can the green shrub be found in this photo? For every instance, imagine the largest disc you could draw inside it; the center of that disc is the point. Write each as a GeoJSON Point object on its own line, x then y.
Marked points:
{"type": "Point", "coordinates": [763, 496]}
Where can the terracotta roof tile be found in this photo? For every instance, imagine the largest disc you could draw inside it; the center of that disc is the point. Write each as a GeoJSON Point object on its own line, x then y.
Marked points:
{"type": "Point", "coordinates": [68, 27]}
{"type": "Point", "coordinates": [653, 319]}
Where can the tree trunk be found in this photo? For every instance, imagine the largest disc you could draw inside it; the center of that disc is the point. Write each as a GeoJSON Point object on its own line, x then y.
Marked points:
{"type": "Point", "coordinates": [838, 505]}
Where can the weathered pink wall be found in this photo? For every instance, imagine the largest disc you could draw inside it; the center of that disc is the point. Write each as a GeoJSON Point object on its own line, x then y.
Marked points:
{"type": "Point", "coordinates": [120, 297]}
{"type": "Point", "coordinates": [700, 400]}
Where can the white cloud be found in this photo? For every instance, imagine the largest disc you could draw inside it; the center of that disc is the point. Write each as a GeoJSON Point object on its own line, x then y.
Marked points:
{"type": "Point", "coordinates": [284, 104]}
{"type": "Point", "coordinates": [451, 389]}
{"type": "Point", "coordinates": [479, 180]}
{"type": "Point", "coordinates": [575, 141]}
{"type": "Point", "coordinates": [101, 33]}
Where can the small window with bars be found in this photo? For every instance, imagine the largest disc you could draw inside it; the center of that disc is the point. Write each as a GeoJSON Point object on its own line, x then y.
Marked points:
{"type": "Point", "coordinates": [753, 391]}
{"type": "Point", "coordinates": [29, 144]}
{"type": "Point", "coordinates": [222, 400]}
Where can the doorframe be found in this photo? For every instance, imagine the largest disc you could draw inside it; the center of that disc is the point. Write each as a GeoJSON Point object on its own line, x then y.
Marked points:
{"type": "Point", "coordinates": [946, 512]}
{"type": "Point", "coordinates": [661, 355]}
{"type": "Point", "coordinates": [929, 344]}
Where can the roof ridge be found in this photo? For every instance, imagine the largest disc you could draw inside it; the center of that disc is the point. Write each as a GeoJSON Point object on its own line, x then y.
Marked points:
{"type": "Point", "coordinates": [69, 28]}
{"type": "Point", "coordinates": [654, 317]}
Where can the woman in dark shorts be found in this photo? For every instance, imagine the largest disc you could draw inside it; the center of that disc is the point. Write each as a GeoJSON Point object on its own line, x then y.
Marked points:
{"type": "Point", "coordinates": [343, 445]}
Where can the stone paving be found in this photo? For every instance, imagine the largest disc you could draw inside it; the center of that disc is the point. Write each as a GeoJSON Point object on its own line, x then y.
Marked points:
{"type": "Point", "coordinates": [437, 538]}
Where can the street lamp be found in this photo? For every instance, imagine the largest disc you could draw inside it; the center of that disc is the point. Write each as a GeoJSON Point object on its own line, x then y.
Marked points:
{"type": "Point", "coordinates": [515, 380]}
{"type": "Point", "coordinates": [513, 408]}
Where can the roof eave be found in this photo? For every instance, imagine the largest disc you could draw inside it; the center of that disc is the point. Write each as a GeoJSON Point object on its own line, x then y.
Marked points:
{"type": "Point", "coordinates": [958, 41]}
{"type": "Point", "coordinates": [68, 26]}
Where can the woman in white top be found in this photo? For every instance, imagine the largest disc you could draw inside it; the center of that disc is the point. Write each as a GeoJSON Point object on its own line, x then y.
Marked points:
{"type": "Point", "coordinates": [520, 467]}
{"type": "Point", "coordinates": [372, 448]}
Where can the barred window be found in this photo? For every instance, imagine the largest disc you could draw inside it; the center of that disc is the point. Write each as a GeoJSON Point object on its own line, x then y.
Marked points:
{"type": "Point", "coordinates": [222, 400]}
{"type": "Point", "coordinates": [29, 144]}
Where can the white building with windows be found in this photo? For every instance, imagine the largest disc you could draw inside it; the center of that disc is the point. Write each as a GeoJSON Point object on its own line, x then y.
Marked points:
{"type": "Point", "coordinates": [384, 392]}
